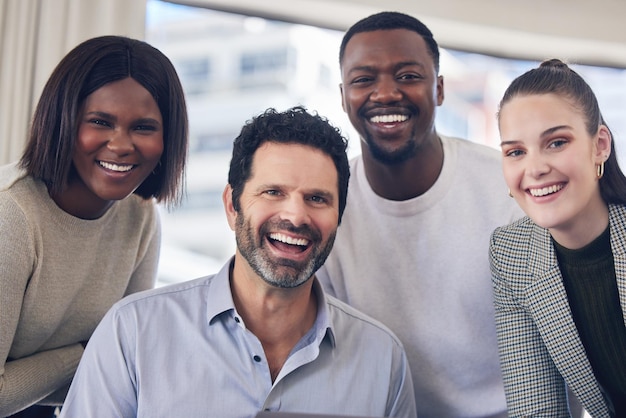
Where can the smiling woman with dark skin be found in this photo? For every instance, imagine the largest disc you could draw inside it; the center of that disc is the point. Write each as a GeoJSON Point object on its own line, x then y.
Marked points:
{"type": "Point", "coordinates": [79, 225]}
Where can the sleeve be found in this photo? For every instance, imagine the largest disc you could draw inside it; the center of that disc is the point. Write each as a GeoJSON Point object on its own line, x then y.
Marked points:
{"type": "Point", "coordinates": [27, 380]}
{"type": "Point", "coordinates": [144, 276]}
{"type": "Point", "coordinates": [105, 383]}
{"type": "Point", "coordinates": [402, 399]}
{"type": "Point", "coordinates": [532, 384]}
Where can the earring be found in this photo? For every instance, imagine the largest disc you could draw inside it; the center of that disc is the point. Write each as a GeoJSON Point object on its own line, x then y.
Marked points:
{"type": "Point", "coordinates": [510, 194]}
{"type": "Point", "coordinates": [600, 170]}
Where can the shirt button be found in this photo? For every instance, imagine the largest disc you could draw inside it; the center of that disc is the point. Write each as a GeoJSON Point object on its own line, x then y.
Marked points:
{"type": "Point", "coordinates": [237, 320]}
{"type": "Point", "coordinates": [257, 358]}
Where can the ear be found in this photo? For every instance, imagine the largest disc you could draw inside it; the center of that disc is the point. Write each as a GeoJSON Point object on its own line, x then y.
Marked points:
{"type": "Point", "coordinates": [343, 103]}
{"type": "Point", "coordinates": [231, 213]}
{"type": "Point", "coordinates": [440, 94]}
{"type": "Point", "coordinates": [602, 145]}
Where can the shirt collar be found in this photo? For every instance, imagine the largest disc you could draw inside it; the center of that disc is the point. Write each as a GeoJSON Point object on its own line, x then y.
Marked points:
{"type": "Point", "coordinates": [220, 301]}
{"type": "Point", "coordinates": [219, 296]}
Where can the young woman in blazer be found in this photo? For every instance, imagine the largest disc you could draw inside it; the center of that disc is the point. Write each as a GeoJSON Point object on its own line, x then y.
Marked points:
{"type": "Point", "coordinates": [559, 274]}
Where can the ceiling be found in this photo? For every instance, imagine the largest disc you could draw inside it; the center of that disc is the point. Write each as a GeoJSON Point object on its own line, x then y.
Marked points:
{"type": "Point", "coordinates": [578, 31]}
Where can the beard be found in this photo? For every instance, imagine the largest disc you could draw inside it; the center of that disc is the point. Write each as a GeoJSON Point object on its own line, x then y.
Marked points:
{"type": "Point", "coordinates": [390, 157]}
{"type": "Point", "coordinates": [280, 272]}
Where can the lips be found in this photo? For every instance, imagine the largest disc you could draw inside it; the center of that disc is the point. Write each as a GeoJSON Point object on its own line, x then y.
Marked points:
{"type": "Point", "coordinates": [395, 118]}
{"type": "Point", "coordinates": [288, 244]}
{"type": "Point", "coordinates": [120, 168]}
{"type": "Point", "coordinates": [544, 191]}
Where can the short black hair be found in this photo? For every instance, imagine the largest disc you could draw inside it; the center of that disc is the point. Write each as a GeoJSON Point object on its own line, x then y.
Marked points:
{"type": "Point", "coordinates": [296, 126]}
{"type": "Point", "coordinates": [390, 21]}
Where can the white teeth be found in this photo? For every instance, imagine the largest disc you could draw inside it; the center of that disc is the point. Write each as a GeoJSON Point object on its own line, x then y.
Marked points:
{"type": "Point", "coordinates": [388, 118]}
{"type": "Point", "coordinates": [546, 190]}
{"type": "Point", "coordinates": [116, 167]}
{"type": "Point", "coordinates": [288, 240]}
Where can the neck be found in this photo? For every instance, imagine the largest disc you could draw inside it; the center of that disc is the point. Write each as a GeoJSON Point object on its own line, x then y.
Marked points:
{"type": "Point", "coordinates": [279, 318]}
{"type": "Point", "coordinates": [78, 201]}
{"type": "Point", "coordinates": [408, 179]}
{"type": "Point", "coordinates": [584, 229]}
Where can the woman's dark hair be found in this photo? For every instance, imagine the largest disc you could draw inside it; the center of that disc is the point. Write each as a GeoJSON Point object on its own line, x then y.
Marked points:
{"type": "Point", "coordinates": [391, 21]}
{"type": "Point", "coordinates": [89, 66]}
{"type": "Point", "coordinates": [554, 76]}
{"type": "Point", "coordinates": [294, 126]}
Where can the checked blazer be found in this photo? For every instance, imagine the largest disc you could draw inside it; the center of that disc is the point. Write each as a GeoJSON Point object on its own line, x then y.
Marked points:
{"type": "Point", "coordinates": [540, 349]}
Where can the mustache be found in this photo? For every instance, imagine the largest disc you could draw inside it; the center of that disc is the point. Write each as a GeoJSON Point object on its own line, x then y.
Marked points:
{"type": "Point", "coordinates": [369, 107]}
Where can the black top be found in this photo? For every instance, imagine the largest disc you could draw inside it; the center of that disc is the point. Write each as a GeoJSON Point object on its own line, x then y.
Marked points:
{"type": "Point", "coordinates": [591, 286]}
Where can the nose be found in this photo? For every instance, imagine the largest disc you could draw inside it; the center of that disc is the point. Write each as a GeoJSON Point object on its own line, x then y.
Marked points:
{"type": "Point", "coordinates": [536, 166]}
{"type": "Point", "coordinates": [386, 91]}
{"type": "Point", "coordinates": [120, 142]}
{"type": "Point", "coordinates": [296, 211]}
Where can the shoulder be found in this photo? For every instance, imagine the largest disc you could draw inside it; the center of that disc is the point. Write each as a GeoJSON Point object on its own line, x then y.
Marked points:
{"type": "Point", "coordinates": [135, 205]}
{"type": "Point", "coordinates": [515, 232]}
{"type": "Point", "coordinates": [477, 150]}
{"type": "Point", "coordinates": [617, 220]}
{"type": "Point", "coordinates": [137, 213]}
{"type": "Point", "coordinates": [183, 294]}
{"type": "Point", "coordinates": [9, 175]}
{"type": "Point", "coordinates": [19, 193]}
{"type": "Point", "coordinates": [510, 245]}
{"type": "Point", "coordinates": [344, 318]}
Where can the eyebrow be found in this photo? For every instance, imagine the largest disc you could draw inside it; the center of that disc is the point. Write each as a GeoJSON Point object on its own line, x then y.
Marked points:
{"type": "Point", "coordinates": [545, 133]}
{"type": "Point", "coordinates": [396, 67]}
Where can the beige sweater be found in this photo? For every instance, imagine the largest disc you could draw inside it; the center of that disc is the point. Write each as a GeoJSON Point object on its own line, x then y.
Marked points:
{"type": "Point", "coordinates": [58, 276]}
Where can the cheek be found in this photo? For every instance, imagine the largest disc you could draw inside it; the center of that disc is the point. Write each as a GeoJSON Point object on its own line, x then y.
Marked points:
{"type": "Point", "coordinates": [152, 148]}
{"type": "Point", "coordinates": [89, 140]}
{"type": "Point", "coordinates": [352, 100]}
{"type": "Point", "coordinates": [328, 224]}
{"type": "Point", "coordinates": [512, 174]}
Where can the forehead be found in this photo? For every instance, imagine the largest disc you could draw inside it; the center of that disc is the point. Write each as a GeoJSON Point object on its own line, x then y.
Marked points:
{"type": "Point", "coordinates": [294, 165]}
{"type": "Point", "coordinates": [370, 48]}
{"type": "Point", "coordinates": [125, 93]}
{"type": "Point", "coordinates": [538, 112]}
{"type": "Point", "coordinates": [539, 106]}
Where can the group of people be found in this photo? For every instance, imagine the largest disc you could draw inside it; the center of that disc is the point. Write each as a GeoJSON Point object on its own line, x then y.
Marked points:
{"type": "Point", "coordinates": [405, 282]}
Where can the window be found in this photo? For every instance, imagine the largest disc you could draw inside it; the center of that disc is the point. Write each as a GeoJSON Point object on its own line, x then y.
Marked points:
{"type": "Point", "coordinates": [233, 67]}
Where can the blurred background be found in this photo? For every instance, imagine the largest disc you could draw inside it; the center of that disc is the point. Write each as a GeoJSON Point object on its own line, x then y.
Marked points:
{"type": "Point", "coordinates": [238, 57]}
{"type": "Point", "coordinates": [234, 65]}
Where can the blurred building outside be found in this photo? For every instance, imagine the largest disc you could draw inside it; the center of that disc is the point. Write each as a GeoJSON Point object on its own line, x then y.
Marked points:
{"type": "Point", "coordinates": [233, 67]}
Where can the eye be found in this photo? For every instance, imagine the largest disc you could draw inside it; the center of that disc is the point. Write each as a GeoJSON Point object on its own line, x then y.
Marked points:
{"type": "Point", "coordinates": [513, 153]}
{"type": "Point", "coordinates": [99, 122]}
{"type": "Point", "coordinates": [272, 192]}
{"type": "Point", "coordinates": [146, 128]}
{"type": "Point", "coordinates": [557, 143]}
{"type": "Point", "coordinates": [362, 80]}
{"type": "Point", "coordinates": [317, 199]}
{"type": "Point", "coordinates": [409, 77]}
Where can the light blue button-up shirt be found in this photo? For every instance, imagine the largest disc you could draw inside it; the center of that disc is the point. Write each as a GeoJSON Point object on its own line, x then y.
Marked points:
{"type": "Point", "coordinates": [184, 351]}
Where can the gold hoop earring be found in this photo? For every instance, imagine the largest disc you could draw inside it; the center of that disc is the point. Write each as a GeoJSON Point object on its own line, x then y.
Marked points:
{"type": "Point", "coordinates": [600, 170]}
{"type": "Point", "coordinates": [510, 194]}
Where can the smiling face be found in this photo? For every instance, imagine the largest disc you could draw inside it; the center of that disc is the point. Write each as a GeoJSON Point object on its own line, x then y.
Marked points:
{"type": "Point", "coordinates": [549, 163]}
{"type": "Point", "coordinates": [390, 89]}
{"type": "Point", "coordinates": [119, 143]}
{"type": "Point", "coordinates": [289, 213]}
